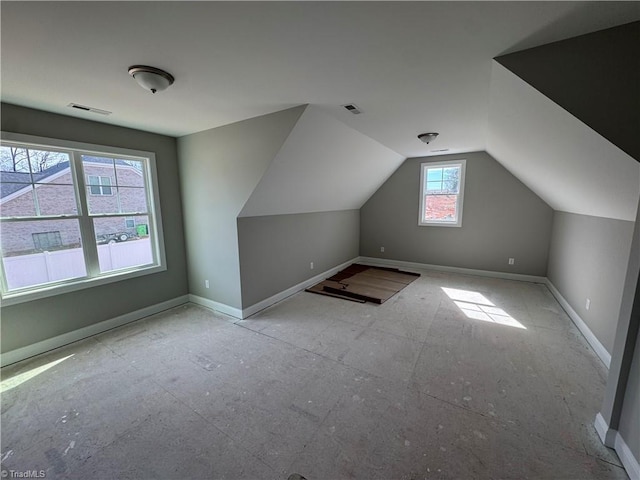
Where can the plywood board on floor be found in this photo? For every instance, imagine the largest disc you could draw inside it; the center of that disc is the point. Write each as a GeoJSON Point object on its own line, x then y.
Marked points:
{"type": "Point", "coordinates": [365, 283]}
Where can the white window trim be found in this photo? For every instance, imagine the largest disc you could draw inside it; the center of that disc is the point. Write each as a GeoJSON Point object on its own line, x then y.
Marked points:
{"type": "Point", "coordinates": [460, 202]}
{"type": "Point", "coordinates": [100, 185]}
{"type": "Point", "coordinates": [72, 285]}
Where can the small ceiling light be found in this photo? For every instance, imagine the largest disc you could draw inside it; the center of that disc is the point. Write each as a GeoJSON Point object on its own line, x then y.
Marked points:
{"type": "Point", "coordinates": [428, 137]}
{"type": "Point", "coordinates": [151, 78]}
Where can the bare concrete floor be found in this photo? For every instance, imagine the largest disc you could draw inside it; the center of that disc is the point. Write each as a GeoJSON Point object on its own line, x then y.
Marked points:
{"type": "Point", "coordinates": [419, 387]}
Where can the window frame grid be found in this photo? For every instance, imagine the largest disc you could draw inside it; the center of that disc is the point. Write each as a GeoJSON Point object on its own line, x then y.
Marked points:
{"type": "Point", "coordinates": [424, 168]}
{"type": "Point", "coordinates": [85, 220]}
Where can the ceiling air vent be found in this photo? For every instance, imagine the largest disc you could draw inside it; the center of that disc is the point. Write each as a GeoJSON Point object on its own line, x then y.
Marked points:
{"type": "Point", "coordinates": [352, 108]}
{"type": "Point", "coordinates": [89, 109]}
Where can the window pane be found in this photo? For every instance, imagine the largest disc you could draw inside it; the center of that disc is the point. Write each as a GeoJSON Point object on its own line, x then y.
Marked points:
{"type": "Point", "coordinates": [17, 200]}
{"type": "Point", "coordinates": [120, 247]}
{"type": "Point", "coordinates": [434, 186]}
{"type": "Point", "coordinates": [441, 207]}
{"type": "Point", "coordinates": [434, 174]}
{"type": "Point", "coordinates": [130, 173]}
{"type": "Point", "coordinates": [41, 251]}
{"type": "Point", "coordinates": [450, 186]}
{"type": "Point", "coordinates": [99, 166]}
{"type": "Point", "coordinates": [57, 200]}
{"type": "Point", "coordinates": [451, 176]}
{"type": "Point", "coordinates": [44, 163]}
{"type": "Point", "coordinates": [14, 160]}
{"type": "Point", "coordinates": [133, 200]}
{"type": "Point", "coordinates": [101, 203]}
{"type": "Point", "coordinates": [58, 173]}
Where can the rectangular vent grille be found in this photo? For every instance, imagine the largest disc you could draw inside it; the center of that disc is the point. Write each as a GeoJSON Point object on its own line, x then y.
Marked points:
{"type": "Point", "coordinates": [88, 109]}
{"type": "Point", "coordinates": [352, 108]}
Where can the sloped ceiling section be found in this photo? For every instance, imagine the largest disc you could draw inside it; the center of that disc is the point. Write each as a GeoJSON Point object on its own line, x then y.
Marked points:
{"type": "Point", "coordinates": [565, 162]}
{"type": "Point", "coordinates": [595, 77]}
{"type": "Point", "coordinates": [324, 165]}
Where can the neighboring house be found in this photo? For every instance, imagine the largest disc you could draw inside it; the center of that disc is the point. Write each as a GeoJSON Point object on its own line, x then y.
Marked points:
{"type": "Point", "coordinates": [111, 189]}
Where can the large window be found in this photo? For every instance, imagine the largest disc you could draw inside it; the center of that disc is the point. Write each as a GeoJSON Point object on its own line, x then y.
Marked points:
{"type": "Point", "coordinates": [441, 193]}
{"type": "Point", "coordinates": [74, 215]}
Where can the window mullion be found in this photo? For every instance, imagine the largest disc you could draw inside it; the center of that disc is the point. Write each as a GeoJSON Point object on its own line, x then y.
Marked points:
{"type": "Point", "coordinates": [87, 232]}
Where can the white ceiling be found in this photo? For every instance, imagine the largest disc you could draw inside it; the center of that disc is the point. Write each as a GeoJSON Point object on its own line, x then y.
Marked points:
{"type": "Point", "coordinates": [410, 66]}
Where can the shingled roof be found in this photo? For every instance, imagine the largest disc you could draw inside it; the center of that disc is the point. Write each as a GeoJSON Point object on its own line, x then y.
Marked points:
{"type": "Point", "coordinates": [11, 182]}
{"type": "Point", "coordinates": [14, 181]}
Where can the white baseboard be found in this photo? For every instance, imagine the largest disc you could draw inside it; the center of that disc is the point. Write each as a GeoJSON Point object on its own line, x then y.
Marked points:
{"type": "Point", "coordinates": [441, 268]}
{"type": "Point", "coordinates": [607, 436]}
{"type": "Point", "coordinates": [629, 462]}
{"type": "Point", "coordinates": [602, 352]}
{"type": "Point", "coordinates": [66, 338]}
{"type": "Point", "coordinates": [612, 439]}
{"type": "Point", "coordinates": [217, 306]}
{"type": "Point", "coordinates": [255, 308]}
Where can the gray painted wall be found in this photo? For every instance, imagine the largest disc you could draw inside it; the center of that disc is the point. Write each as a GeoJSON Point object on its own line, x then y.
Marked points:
{"type": "Point", "coordinates": [588, 258]}
{"type": "Point", "coordinates": [630, 418]}
{"type": "Point", "coordinates": [594, 77]}
{"type": "Point", "coordinates": [31, 322]}
{"type": "Point", "coordinates": [502, 218]}
{"type": "Point", "coordinates": [219, 169]}
{"type": "Point", "coordinates": [276, 250]}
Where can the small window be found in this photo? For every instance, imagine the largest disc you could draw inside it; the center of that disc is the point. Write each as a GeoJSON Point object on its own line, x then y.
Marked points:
{"type": "Point", "coordinates": [99, 185]}
{"type": "Point", "coordinates": [129, 223]}
{"type": "Point", "coordinates": [47, 240]}
{"type": "Point", "coordinates": [441, 193]}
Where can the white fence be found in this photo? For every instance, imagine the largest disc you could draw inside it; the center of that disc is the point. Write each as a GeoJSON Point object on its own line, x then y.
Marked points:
{"type": "Point", "coordinates": [45, 267]}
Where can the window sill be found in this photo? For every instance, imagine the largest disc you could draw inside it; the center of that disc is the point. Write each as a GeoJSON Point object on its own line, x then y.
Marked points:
{"type": "Point", "coordinates": [75, 285]}
{"type": "Point", "coordinates": [439, 224]}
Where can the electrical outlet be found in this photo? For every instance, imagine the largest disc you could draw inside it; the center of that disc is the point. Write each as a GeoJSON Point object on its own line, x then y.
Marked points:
{"type": "Point", "coordinates": [587, 304]}
{"type": "Point", "coordinates": [206, 284]}
{"type": "Point", "coordinates": [311, 265]}
{"type": "Point", "coordinates": [512, 261]}
{"type": "Point", "coordinates": [382, 249]}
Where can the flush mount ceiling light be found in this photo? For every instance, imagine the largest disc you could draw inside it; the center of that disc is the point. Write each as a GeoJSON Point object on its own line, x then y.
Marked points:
{"type": "Point", "coordinates": [151, 78]}
{"type": "Point", "coordinates": [428, 137]}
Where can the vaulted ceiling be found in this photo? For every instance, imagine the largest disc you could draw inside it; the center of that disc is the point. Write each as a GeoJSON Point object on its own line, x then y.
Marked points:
{"type": "Point", "coordinates": [410, 67]}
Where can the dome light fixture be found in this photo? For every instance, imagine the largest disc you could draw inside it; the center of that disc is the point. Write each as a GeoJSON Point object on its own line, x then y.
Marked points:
{"type": "Point", "coordinates": [428, 137]}
{"type": "Point", "coordinates": [151, 78]}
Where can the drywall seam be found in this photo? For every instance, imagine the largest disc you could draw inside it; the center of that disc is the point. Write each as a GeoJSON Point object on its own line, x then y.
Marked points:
{"type": "Point", "coordinates": [234, 312]}
{"type": "Point", "coordinates": [66, 338]}
{"type": "Point", "coordinates": [464, 271]}
{"type": "Point", "coordinates": [602, 352]}
{"type": "Point", "coordinates": [255, 308]}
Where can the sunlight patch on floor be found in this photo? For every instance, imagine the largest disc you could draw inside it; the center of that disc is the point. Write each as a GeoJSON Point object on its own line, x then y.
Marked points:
{"type": "Point", "coordinates": [478, 307]}
{"type": "Point", "coordinates": [13, 382]}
